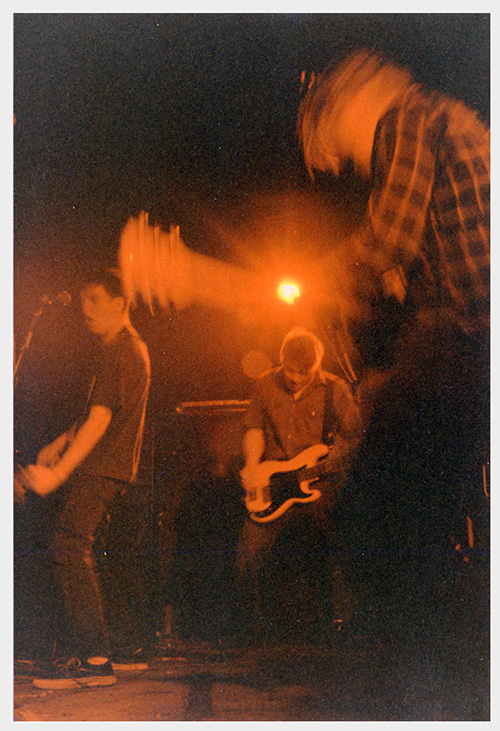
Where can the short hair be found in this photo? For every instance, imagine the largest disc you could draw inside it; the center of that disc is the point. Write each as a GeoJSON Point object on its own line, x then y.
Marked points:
{"type": "Point", "coordinates": [107, 278]}
{"type": "Point", "coordinates": [303, 348]}
{"type": "Point", "coordinates": [328, 94]}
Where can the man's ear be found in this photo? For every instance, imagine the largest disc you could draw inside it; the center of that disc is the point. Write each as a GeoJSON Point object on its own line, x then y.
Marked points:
{"type": "Point", "coordinates": [119, 303]}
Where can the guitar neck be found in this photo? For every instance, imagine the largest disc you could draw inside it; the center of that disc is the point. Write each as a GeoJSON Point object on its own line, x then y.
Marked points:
{"type": "Point", "coordinates": [326, 467]}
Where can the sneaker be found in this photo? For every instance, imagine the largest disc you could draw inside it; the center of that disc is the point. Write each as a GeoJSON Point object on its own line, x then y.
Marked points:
{"type": "Point", "coordinates": [133, 660]}
{"type": "Point", "coordinates": [75, 673]}
{"type": "Point", "coordinates": [26, 667]}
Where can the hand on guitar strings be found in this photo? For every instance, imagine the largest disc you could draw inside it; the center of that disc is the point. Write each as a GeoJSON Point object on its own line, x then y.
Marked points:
{"type": "Point", "coordinates": [42, 480]}
{"type": "Point", "coordinates": [252, 478]}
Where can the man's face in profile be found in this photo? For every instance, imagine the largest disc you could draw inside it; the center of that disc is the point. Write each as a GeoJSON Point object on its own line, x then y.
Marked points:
{"type": "Point", "coordinates": [102, 312]}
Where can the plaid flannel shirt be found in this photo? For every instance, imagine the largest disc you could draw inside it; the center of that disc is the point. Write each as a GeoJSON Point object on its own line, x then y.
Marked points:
{"type": "Point", "coordinates": [429, 211]}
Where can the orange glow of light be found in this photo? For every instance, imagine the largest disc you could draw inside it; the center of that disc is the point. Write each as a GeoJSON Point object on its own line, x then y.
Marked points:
{"type": "Point", "coordinates": [288, 292]}
{"type": "Point", "coordinates": [289, 238]}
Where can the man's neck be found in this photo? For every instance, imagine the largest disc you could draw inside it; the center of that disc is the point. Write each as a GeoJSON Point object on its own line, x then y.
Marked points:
{"type": "Point", "coordinates": [111, 335]}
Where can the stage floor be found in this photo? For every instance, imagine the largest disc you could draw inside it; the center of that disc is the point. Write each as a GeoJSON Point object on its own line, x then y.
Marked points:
{"type": "Point", "coordinates": [348, 682]}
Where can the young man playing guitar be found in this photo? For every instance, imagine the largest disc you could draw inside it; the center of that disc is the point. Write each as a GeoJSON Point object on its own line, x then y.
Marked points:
{"type": "Point", "coordinates": [91, 464]}
{"type": "Point", "coordinates": [300, 416]}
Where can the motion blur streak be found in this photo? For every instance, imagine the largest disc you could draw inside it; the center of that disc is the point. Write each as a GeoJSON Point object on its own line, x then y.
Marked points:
{"type": "Point", "coordinates": [277, 240]}
{"type": "Point", "coordinates": [157, 265]}
{"type": "Point", "coordinates": [283, 241]}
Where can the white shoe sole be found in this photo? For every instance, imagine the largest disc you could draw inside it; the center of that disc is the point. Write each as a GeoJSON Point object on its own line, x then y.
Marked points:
{"type": "Point", "coordinates": [65, 683]}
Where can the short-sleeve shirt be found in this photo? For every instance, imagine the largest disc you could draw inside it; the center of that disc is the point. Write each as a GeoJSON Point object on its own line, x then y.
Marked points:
{"type": "Point", "coordinates": [291, 424]}
{"type": "Point", "coordinates": [122, 385]}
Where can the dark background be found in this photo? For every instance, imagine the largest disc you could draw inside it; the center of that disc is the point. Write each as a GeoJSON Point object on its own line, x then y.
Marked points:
{"type": "Point", "coordinates": [191, 118]}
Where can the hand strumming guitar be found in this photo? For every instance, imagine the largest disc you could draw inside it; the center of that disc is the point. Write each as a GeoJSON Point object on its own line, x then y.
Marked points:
{"type": "Point", "coordinates": [43, 480]}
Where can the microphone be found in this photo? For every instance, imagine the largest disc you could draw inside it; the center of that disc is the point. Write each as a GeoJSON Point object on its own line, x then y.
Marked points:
{"type": "Point", "coordinates": [63, 298]}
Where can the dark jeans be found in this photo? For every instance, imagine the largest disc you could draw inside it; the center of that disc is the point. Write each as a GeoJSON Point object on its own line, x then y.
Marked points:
{"type": "Point", "coordinates": [289, 581]}
{"type": "Point", "coordinates": [85, 502]}
{"type": "Point", "coordinates": [419, 463]}
{"type": "Point", "coordinates": [125, 553]}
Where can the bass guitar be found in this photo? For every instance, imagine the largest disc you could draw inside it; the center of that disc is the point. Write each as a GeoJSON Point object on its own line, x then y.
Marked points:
{"type": "Point", "coordinates": [288, 482]}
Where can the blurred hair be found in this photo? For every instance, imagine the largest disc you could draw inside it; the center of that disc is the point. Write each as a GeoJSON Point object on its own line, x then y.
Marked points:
{"type": "Point", "coordinates": [328, 94]}
{"type": "Point", "coordinates": [107, 278]}
{"type": "Point", "coordinates": [303, 348]}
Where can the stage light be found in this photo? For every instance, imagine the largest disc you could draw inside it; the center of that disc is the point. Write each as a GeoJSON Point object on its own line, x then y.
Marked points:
{"type": "Point", "coordinates": [288, 292]}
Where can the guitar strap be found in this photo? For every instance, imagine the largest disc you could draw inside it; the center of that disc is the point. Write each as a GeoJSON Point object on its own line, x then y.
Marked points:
{"type": "Point", "coordinates": [329, 415]}
{"type": "Point", "coordinates": [274, 431]}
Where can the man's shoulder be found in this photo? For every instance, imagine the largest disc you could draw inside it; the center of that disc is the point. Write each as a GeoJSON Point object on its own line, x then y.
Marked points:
{"type": "Point", "coordinates": [328, 377]}
{"type": "Point", "coordinates": [268, 376]}
{"type": "Point", "coordinates": [337, 384]}
{"type": "Point", "coordinates": [268, 385]}
{"type": "Point", "coordinates": [131, 346]}
{"type": "Point", "coordinates": [131, 335]}
{"type": "Point", "coordinates": [414, 103]}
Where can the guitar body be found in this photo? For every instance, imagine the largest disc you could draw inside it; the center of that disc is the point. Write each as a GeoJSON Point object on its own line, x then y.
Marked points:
{"type": "Point", "coordinates": [286, 482]}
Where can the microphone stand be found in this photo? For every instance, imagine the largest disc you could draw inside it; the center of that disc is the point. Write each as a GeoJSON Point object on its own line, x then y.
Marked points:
{"type": "Point", "coordinates": [45, 301]}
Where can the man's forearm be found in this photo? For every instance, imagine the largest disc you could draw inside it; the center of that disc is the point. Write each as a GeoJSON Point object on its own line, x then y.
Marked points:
{"type": "Point", "coordinates": [253, 446]}
{"type": "Point", "coordinates": [44, 478]}
{"type": "Point", "coordinates": [83, 441]}
{"type": "Point", "coordinates": [51, 453]}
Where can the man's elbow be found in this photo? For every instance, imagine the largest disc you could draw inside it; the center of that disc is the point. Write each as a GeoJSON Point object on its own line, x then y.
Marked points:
{"type": "Point", "coordinates": [99, 419]}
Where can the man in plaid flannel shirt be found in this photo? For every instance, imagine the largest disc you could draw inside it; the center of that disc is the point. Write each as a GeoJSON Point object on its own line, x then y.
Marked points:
{"type": "Point", "coordinates": [425, 240]}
